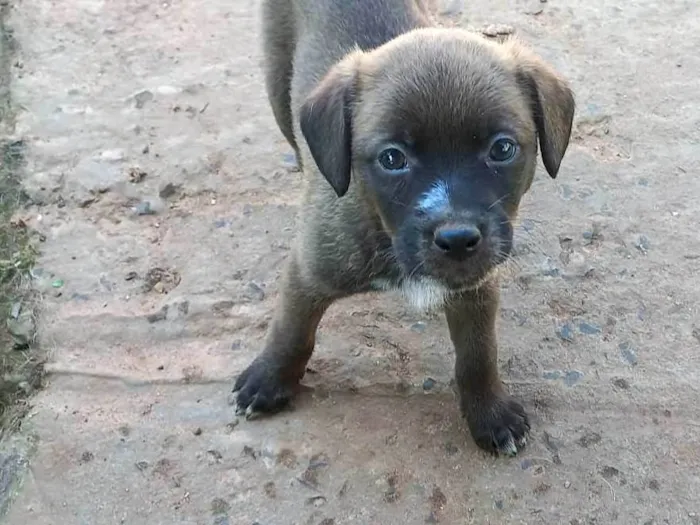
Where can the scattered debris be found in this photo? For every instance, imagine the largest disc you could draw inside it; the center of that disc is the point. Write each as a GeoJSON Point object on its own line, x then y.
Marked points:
{"type": "Point", "coordinates": [589, 439]}
{"type": "Point", "coordinates": [136, 175]}
{"type": "Point", "coordinates": [161, 280]}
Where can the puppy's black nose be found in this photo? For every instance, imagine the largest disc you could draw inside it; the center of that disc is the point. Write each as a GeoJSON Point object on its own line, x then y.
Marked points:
{"type": "Point", "coordinates": [458, 241]}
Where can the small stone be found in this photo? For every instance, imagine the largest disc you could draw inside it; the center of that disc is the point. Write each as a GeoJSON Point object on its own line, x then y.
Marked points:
{"type": "Point", "coordinates": [498, 504]}
{"type": "Point", "coordinates": [112, 155]}
{"type": "Point", "coordinates": [168, 190]}
{"type": "Point", "coordinates": [21, 325]}
{"type": "Point", "coordinates": [567, 484]}
{"type": "Point", "coordinates": [140, 99]}
{"type": "Point", "coordinates": [289, 162]}
{"type": "Point", "coordinates": [249, 451]}
{"type": "Point", "coordinates": [588, 328]}
{"type": "Point", "coordinates": [566, 332]}
{"type": "Point", "coordinates": [230, 427]}
{"type": "Point", "coordinates": [609, 472]}
{"type": "Point", "coordinates": [270, 489]}
{"type": "Point", "coordinates": [552, 374]}
{"type": "Point", "coordinates": [149, 206]}
{"type": "Point", "coordinates": [628, 354]}
{"type": "Point", "coordinates": [643, 244]}
{"type": "Point", "coordinates": [131, 276]}
{"type": "Point", "coordinates": [418, 327]}
{"type": "Point", "coordinates": [197, 431]}
{"type": "Point", "coordinates": [494, 30]}
{"type": "Point", "coordinates": [622, 383]}
{"type": "Point", "coordinates": [428, 384]}
{"type": "Point", "coordinates": [214, 456]}
{"type": "Point", "coordinates": [136, 175]}
{"type": "Point", "coordinates": [142, 465]}
{"type": "Point", "coordinates": [86, 457]}
{"type": "Point", "coordinates": [160, 315]}
{"type": "Point", "coordinates": [316, 501]}
{"type": "Point", "coordinates": [572, 377]}
{"type": "Point", "coordinates": [255, 291]}
{"type": "Point", "coordinates": [549, 269]}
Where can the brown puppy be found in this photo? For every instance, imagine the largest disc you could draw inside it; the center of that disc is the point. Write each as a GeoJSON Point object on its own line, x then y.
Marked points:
{"type": "Point", "coordinates": [417, 144]}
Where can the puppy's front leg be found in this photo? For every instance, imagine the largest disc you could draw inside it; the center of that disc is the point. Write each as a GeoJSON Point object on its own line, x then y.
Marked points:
{"type": "Point", "coordinates": [497, 422]}
{"type": "Point", "coordinates": [269, 382]}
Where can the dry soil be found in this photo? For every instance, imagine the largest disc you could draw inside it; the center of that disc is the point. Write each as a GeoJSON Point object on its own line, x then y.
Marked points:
{"type": "Point", "coordinates": [167, 200]}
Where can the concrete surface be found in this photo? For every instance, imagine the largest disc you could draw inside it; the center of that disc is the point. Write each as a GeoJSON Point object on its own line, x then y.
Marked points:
{"type": "Point", "coordinates": [166, 197]}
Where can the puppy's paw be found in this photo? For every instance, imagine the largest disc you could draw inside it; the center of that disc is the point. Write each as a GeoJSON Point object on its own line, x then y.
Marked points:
{"type": "Point", "coordinates": [498, 424]}
{"type": "Point", "coordinates": [260, 390]}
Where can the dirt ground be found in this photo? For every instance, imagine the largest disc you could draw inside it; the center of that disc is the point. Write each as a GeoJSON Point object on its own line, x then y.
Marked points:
{"type": "Point", "coordinates": [167, 199]}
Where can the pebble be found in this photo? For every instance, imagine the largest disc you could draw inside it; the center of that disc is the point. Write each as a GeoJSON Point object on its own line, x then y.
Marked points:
{"type": "Point", "coordinates": [643, 244]}
{"type": "Point", "coordinates": [419, 327]}
{"type": "Point", "coordinates": [149, 206]}
{"type": "Point", "coordinates": [142, 98]}
{"type": "Point", "coordinates": [21, 325]}
{"type": "Point", "coordinates": [572, 377]}
{"type": "Point", "coordinates": [548, 268]}
{"type": "Point", "coordinates": [429, 384]}
{"type": "Point", "coordinates": [168, 190]}
{"type": "Point", "coordinates": [255, 291]}
{"type": "Point", "coordinates": [621, 383]}
{"type": "Point", "coordinates": [628, 353]}
{"type": "Point", "coordinates": [588, 328]}
{"type": "Point", "coordinates": [551, 374]}
{"type": "Point", "coordinates": [566, 332]}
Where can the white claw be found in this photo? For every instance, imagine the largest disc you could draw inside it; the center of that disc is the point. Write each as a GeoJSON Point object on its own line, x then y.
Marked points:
{"type": "Point", "coordinates": [509, 449]}
{"type": "Point", "coordinates": [522, 442]}
{"type": "Point", "coordinates": [250, 414]}
{"type": "Point", "coordinates": [233, 398]}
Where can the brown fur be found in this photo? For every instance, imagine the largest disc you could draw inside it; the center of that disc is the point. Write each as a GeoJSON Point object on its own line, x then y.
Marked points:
{"type": "Point", "coordinates": [342, 78]}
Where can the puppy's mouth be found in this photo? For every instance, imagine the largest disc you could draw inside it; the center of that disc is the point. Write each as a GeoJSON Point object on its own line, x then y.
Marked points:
{"type": "Point", "coordinates": [449, 263]}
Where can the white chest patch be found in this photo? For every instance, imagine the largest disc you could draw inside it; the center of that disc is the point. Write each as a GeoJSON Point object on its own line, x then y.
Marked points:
{"type": "Point", "coordinates": [423, 295]}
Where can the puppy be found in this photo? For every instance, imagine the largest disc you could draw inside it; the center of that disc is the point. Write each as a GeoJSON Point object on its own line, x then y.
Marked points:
{"type": "Point", "coordinates": [417, 144]}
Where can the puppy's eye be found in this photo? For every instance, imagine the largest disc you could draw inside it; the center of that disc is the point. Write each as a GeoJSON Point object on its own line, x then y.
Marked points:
{"type": "Point", "coordinates": [392, 159]}
{"type": "Point", "coordinates": [503, 150]}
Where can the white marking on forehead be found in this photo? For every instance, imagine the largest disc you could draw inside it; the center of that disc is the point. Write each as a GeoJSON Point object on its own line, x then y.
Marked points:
{"type": "Point", "coordinates": [438, 198]}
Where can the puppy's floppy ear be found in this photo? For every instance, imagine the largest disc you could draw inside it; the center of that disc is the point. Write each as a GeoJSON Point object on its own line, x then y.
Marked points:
{"type": "Point", "coordinates": [552, 103]}
{"type": "Point", "coordinates": [326, 123]}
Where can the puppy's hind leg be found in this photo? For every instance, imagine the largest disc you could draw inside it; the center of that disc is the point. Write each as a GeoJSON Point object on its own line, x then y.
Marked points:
{"type": "Point", "coordinates": [279, 43]}
{"type": "Point", "coordinates": [270, 381]}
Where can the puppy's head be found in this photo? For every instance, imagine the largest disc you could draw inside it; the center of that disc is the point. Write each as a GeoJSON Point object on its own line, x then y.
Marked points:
{"type": "Point", "coordinates": [439, 129]}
